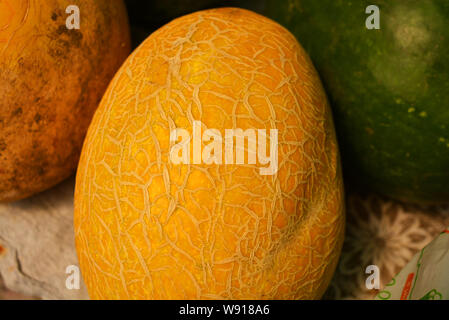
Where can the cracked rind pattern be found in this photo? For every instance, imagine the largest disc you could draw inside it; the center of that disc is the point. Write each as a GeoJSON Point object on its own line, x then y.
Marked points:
{"type": "Point", "coordinates": [51, 81]}
{"type": "Point", "coordinates": [148, 229]}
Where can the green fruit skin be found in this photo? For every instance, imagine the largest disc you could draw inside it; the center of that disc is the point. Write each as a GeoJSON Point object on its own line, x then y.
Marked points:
{"type": "Point", "coordinates": [389, 89]}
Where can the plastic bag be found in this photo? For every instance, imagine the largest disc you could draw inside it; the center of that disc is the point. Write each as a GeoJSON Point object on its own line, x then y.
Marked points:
{"type": "Point", "coordinates": [425, 277]}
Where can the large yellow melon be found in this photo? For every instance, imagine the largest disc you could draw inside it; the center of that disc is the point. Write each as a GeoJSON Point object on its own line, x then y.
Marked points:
{"type": "Point", "coordinates": [51, 80]}
{"type": "Point", "coordinates": [148, 227]}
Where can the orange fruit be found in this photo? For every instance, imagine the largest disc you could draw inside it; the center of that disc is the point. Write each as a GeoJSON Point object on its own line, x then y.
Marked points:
{"type": "Point", "coordinates": [51, 81]}
{"type": "Point", "coordinates": [147, 228]}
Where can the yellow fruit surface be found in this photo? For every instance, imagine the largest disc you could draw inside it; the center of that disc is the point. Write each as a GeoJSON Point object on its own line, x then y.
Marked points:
{"type": "Point", "coordinates": [149, 229]}
{"type": "Point", "coordinates": [51, 81]}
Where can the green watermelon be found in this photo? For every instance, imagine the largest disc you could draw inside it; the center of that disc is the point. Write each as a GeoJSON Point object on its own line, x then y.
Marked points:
{"type": "Point", "coordinates": [388, 87]}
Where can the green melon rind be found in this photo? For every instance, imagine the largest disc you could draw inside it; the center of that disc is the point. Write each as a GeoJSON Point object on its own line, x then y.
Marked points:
{"type": "Point", "coordinates": [389, 89]}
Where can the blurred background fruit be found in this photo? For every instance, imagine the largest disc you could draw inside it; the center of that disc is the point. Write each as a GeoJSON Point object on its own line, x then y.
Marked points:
{"type": "Point", "coordinates": [51, 81]}
{"type": "Point", "coordinates": [193, 231]}
{"type": "Point", "coordinates": [389, 89]}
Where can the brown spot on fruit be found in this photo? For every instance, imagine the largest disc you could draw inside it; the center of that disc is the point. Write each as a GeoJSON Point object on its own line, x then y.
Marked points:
{"type": "Point", "coordinates": [40, 170]}
{"type": "Point", "coordinates": [61, 29]}
{"type": "Point", "coordinates": [17, 112]}
{"type": "Point", "coordinates": [2, 250]}
{"type": "Point", "coordinates": [37, 118]}
{"type": "Point", "coordinates": [51, 80]}
{"type": "Point", "coordinates": [74, 35]}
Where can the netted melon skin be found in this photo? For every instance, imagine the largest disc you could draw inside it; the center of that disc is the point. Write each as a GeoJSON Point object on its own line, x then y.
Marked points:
{"type": "Point", "coordinates": [148, 229]}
